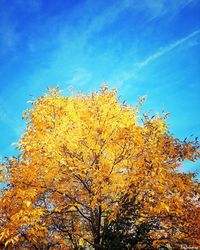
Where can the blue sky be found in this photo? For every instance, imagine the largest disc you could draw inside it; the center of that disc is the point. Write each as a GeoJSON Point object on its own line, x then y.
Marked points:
{"type": "Point", "coordinates": [146, 47]}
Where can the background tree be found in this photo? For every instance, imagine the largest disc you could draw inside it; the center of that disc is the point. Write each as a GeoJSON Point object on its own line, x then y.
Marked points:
{"type": "Point", "coordinates": [82, 159]}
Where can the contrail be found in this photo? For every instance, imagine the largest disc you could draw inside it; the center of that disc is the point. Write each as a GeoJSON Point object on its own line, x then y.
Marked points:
{"type": "Point", "coordinates": [162, 51]}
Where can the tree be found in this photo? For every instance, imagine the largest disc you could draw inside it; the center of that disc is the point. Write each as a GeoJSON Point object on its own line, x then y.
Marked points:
{"type": "Point", "coordinates": [87, 162]}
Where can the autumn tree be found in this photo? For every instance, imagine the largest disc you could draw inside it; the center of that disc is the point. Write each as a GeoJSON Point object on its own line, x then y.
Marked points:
{"type": "Point", "coordinates": [88, 163]}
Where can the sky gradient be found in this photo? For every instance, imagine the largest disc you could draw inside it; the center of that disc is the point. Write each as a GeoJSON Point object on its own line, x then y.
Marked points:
{"type": "Point", "coordinates": [146, 47]}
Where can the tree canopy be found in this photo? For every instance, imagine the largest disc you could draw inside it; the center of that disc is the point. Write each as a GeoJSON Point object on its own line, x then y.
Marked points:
{"type": "Point", "coordinates": [94, 173]}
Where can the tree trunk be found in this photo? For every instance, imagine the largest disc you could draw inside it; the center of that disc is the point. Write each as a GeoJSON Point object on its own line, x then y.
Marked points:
{"type": "Point", "coordinates": [97, 236]}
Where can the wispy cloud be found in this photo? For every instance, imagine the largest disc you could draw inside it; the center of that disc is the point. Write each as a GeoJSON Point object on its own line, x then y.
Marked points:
{"type": "Point", "coordinates": [164, 50]}
{"type": "Point", "coordinates": [159, 8]}
{"type": "Point", "coordinates": [90, 26]}
{"type": "Point", "coordinates": [108, 16]}
{"type": "Point", "coordinates": [7, 118]}
{"type": "Point", "coordinates": [10, 34]}
{"type": "Point", "coordinates": [4, 117]}
{"type": "Point", "coordinates": [80, 77]}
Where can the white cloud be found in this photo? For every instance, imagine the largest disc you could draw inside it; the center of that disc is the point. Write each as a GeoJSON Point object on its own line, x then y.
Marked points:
{"type": "Point", "coordinates": [162, 7]}
{"type": "Point", "coordinates": [4, 117]}
{"type": "Point", "coordinates": [80, 77]}
{"type": "Point", "coordinates": [164, 50]}
{"type": "Point", "coordinates": [7, 118]}
{"type": "Point", "coordinates": [10, 34]}
{"type": "Point", "coordinates": [108, 16]}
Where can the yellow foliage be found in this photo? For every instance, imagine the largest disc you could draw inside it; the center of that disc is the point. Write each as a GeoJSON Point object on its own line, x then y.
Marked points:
{"type": "Point", "coordinates": [79, 156]}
